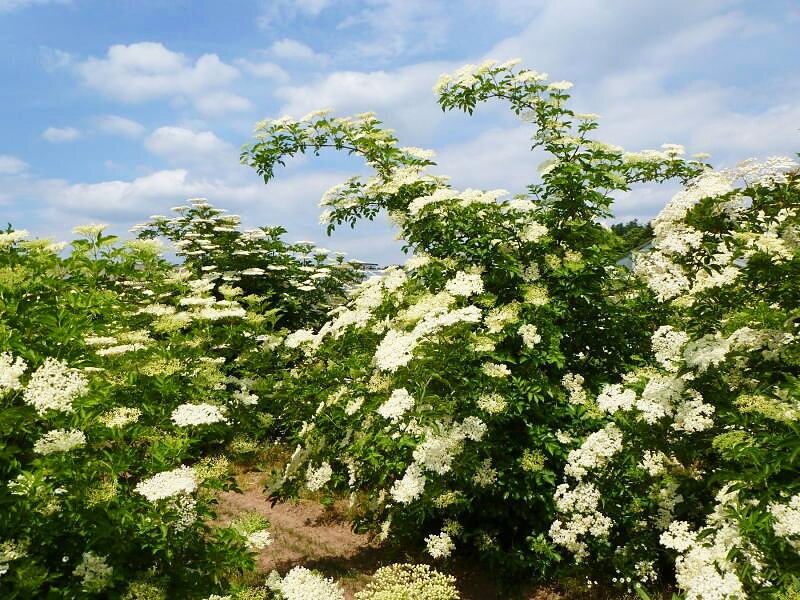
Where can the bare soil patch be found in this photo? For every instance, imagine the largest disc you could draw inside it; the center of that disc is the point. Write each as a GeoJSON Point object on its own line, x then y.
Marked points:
{"type": "Point", "coordinates": [317, 537]}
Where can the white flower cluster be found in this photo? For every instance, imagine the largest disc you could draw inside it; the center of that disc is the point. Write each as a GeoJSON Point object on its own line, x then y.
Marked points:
{"type": "Point", "coordinates": [185, 508]}
{"type": "Point", "coordinates": [705, 569]}
{"type": "Point", "coordinates": [54, 386]}
{"type": "Point", "coordinates": [659, 397]}
{"type": "Point", "coordinates": [187, 415]}
{"type": "Point", "coordinates": [464, 284]}
{"type": "Point", "coordinates": [496, 370]}
{"type": "Point", "coordinates": [485, 475]}
{"type": "Point", "coordinates": [654, 462]}
{"type": "Point", "coordinates": [580, 504]}
{"type": "Point", "coordinates": [492, 403]}
{"type": "Point", "coordinates": [693, 414]}
{"type": "Point", "coordinates": [530, 335]}
{"type": "Point", "coordinates": [613, 397]}
{"type": "Point", "coordinates": [302, 584]}
{"type": "Point", "coordinates": [120, 416]}
{"type": "Point", "coordinates": [94, 571]}
{"type": "Point", "coordinates": [396, 348]}
{"type": "Point", "coordinates": [667, 343]}
{"type": "Point", "coordinates": [11, 369]}
{"type": "Point", "coordinates": [395, 407]}
{"type": "Point", "coordinates": [410, 487]}
{"type": "Point", "coordinates": [574, 386]}
{"type": "Point", "coordinates": [533, 232]}
{"type": "Point", "coordinates": [258, 540]}
{"type": "Point", "coordinates": [439, 546]}
{"type": "Point", "coordinates": [595, 451]}
{"type": "Point", "coordinates": [497, 318]}
{"type": "Point", "coordinates": [316, 478]}
{"type": "Point", "coordinates": [675, 239]}
{"type": "Point", "coordinates": [59, 440]}
{"type": "Point", "coordinates": [9, 238]}
{"type": "Point", "coordinates": [182, 480]}
{"type": "Point", "coordinates": [437, 451]}
{"type": "Point", "coordinates": [786, 520]}
{"type": "Point", "coordinates": [119, 349]}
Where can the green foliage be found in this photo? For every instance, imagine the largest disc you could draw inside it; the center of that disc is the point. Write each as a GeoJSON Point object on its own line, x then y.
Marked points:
{"type": "Point", "coordinates": [446, 395]}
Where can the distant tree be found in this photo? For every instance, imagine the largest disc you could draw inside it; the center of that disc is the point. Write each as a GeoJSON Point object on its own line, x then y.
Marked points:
{"type": "Point", "coordinates": [632, 235]}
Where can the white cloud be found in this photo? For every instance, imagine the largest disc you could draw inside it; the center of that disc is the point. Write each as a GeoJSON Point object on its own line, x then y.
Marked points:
{"type": "Point", "coordinates": [263, 70]}
{"type": "Point", "coordinates": [274, 11]}
{"type": "Point", "coordinates": [116, 125]}
{"type": "Point", "coordinates": [54, 59]}
{"type": "Point", "coordinates": [221, 103]}
{"type": "Point", "coordinates": [148, 70]}
{"type": "Point", "coordinates": [9, 5]}
{"type": "Point", "coordinates": [289, 49]}
{"type": "Point", "coordinates": [386, 29]}
{"type": "Point", "coordinates": [402, 98]}
{"type": "Point", "coordinates": [11, 165]}
{"type": "Point", "coordinates": [61, 134]}
{"type": "Point", "coordinates": [497, 158]}
{"type": "Point", "coordinates": [181, 145]}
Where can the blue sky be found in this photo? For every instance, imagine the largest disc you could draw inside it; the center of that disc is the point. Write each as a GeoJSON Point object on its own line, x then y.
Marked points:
{"type": "Point", "coordinates": [115, 110]}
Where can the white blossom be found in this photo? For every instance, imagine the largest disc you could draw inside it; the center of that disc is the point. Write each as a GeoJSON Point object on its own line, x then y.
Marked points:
{"type": "Point", "coordinates": [168, 483]}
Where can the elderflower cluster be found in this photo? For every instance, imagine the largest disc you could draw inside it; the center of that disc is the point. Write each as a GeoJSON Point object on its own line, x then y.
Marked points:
{"type": "Point", "coordinates": [395, 407]}
{"type": "Point", "coordinates": [409, 582]}
{"type": "Point", "coordinates": [11, 370]}
{"type": "Point", "coordinates": [302, 584]}
{"type": "Point", "coordinates": [187, 415]}
{"type": "Point", "coordinates": [396, 348]}
{"type": "Point", "coordinates": [410, 487]}
{"type": "Point", "coordinates": [258, 540]}
{"type": "Point", "coordinates": [595, 451]}
{"type": "Point", "coordinates": [120, 416]}
{"type": "Point", "coordinates": [574, 386]}
{"type": "Point", "coordinates": [496, 370]}
{"type": "Point", "coordinates": [59, 440]}
{"type": "Point", "coordinates": [786, 520]}
{"type": "Point", "coordinates": [492, 403]}
{"type": "Point", "coordinates": [667, 343]}
{"type": "Point", "coordinates": [583, 518]}
{"type": "Point", "coordinates": [318, 477]}
{"type": "Point", "coordinates": [464, 284]}
{"type": "Point", "coordinates": [439, 546]}
{"type": "Point", "coordinates": [438, 450]}
{"type": "Point", "coordinates": [182, 480]}
{"type": "Point", "coordinates": [530, 335]}
{"type": "Point", "coordinates": [54, 386]}
{"type": "Point", "coordinates": [94, 571]}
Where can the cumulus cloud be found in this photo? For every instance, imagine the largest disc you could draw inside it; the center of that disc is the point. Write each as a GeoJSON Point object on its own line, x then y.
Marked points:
{"type": "Point", "coordinates": [294, 50]}
{"type": "Point", "coordinates": [263, 70]}
{"type": "Point", "coordinates": [387, 29]}
{"type": "Point", "coordinates": [215, 104]}
{"type": "Point", "coordinates": [179, 144]}
{"type": "Point", "coordinates": [116, 125]}
{"type": "Point", "coordinates": [60, 134]}
{"type": "Point", "coordinates": [274, 11]}
{"type": "Point", "coordinates": [148, 70]}
{"type": "Point", "coordinates": [9, 5]}
{"type": "Point", "coordinates": [401, 97]}
{"type": "Point", "coordinates": [11, 165]}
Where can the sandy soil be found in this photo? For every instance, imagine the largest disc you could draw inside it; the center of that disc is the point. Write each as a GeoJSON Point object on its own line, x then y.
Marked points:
{"type": "Point", "coordinates": [306, 533]}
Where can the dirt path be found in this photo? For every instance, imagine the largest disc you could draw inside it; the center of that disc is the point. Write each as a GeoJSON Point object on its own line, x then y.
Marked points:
{"type": "Point", "coordinates": [306, 533]}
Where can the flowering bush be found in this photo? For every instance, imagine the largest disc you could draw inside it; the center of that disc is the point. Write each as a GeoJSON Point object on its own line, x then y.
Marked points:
{"type": "Point", "coordinates": [696, 471]}
{"type": "Point", "coordinates": [446, 395]}
{"type": "Point", "coordinates": [409, 582]}
{"type": "Point", "coordinates": [299, 281]}
{"type": "Point", "coordinates": [112, 424]}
